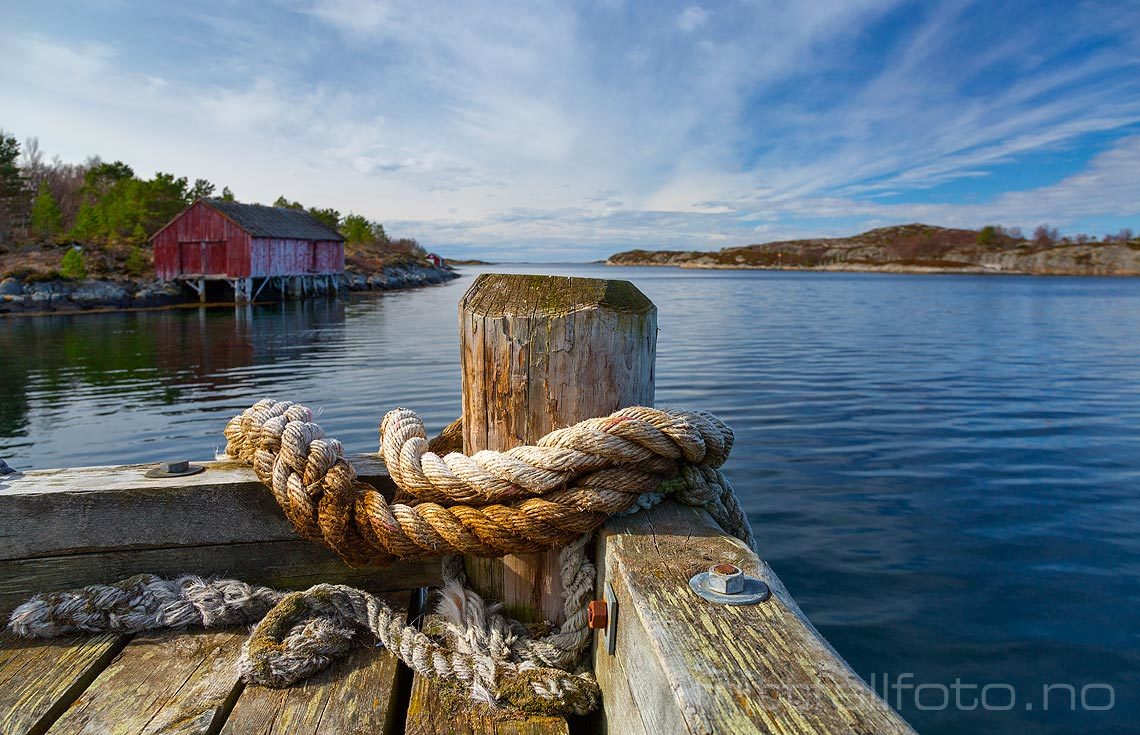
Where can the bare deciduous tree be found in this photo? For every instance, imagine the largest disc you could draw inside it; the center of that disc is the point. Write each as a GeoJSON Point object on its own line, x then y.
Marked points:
{"type": "Point", "coordinates": [1045, 235]}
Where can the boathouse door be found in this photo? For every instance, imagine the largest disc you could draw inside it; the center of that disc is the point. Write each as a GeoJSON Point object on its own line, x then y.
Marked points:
{"type": "Point", "coordinates": [202, 257]}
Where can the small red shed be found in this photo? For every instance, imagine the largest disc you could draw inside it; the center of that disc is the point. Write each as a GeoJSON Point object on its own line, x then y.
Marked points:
{"type": "Point", "coordinates": [213, 239]}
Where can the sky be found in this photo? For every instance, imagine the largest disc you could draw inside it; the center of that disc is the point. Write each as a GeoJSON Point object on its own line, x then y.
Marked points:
{"type": "Point", "coordinates": [573, 130]}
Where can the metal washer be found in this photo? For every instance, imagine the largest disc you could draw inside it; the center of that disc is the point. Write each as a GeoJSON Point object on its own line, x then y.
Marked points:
{"type": "Point", "coordinates": [164, 470]}
{"type": "Point", "coordinates": [754, 591]}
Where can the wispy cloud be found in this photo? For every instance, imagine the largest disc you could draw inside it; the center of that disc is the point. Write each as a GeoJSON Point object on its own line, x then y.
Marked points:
{"type": "Point", "coordinates": [692, 18]}
{"type": "Point", "coordinates": [575, 129]}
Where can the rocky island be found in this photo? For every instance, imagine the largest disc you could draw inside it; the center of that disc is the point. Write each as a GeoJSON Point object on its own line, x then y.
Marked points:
{"type": "Point", "coordinates": [917, 248]}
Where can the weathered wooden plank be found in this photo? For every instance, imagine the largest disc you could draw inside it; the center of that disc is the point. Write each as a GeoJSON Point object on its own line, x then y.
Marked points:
{"type": "Point", "coordinates": [295, 564]}
{"type": "Point", "coordinates": [56, 512]}
{"type": "Point", "coordinates": [355, 695]}
{"type": "Point", "coordinates": [73, 527]}
{"type": "Point", "coordinates": [162, 682]}
{"type": "Point", "coordinates": [615, 681]}
{"type": "Point", "coordinates": [40, 678]}
{"type": "Point", "coordinates": [438, 709]}
{"type": "Point", "coordinates": [693, 666]}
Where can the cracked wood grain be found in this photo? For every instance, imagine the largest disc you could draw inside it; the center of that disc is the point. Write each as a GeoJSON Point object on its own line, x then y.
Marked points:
{"type": "Point", "coordinates": [685, 665]}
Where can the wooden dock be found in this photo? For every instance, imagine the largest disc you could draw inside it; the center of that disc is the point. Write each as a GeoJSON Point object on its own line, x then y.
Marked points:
{"type": "Point", "coordinates": [246, 290]}
{"type": "Point", "coordinates": [680, 664]}
{"type": "Point", "coordinates": [187, 683]}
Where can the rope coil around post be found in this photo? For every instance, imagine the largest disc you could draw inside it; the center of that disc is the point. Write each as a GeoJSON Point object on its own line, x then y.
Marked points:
{"type": "Point", "coordinates": [553, 493]}
{"type": "Point", "coordinates": [526, 499]}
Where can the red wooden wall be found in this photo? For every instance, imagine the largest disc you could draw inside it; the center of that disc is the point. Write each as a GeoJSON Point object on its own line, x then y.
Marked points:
{"type": "Point", "coordinates": [202, 240]}
{"type": "Point", "coordinates": [178, 247]}
{"type": "Point", "coordinates": [281, 257]}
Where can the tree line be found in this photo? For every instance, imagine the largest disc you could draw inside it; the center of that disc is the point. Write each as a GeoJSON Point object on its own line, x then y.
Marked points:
{"type": "Point", "coordinates": [106, 204]}
{"type": "Point", "coordinates": [1044, 236]}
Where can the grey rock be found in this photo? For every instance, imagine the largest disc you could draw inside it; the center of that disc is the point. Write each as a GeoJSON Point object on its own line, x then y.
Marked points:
{"type": "Point", "coordinates": [158, 292]}
{"type": "Point", "coordinates": [93, 293]}
{"type": "Point", "coordinates": [11, 287]}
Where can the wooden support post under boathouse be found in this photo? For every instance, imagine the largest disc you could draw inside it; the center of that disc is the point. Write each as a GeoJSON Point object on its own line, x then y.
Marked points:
{"type": "Point", "coordinates": [537, 353]}
{"type": "Point", "coordinates": [249, 247]}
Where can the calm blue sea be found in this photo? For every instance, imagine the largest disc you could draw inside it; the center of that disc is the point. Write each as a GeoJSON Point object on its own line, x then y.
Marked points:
{"type": "Point", "coordinates": [945, 470]}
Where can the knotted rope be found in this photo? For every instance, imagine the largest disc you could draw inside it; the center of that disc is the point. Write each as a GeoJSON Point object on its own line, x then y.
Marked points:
{"type": "Point", "coordinates": [523, 500]}
{"type": "Point", "coordinates": [553, 493]}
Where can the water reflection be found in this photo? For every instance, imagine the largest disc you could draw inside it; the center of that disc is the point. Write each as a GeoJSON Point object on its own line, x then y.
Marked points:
{"type": "Point", "coordinates": [60, 371]}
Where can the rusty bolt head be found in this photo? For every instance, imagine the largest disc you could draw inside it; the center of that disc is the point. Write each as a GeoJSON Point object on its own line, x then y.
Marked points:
{"type": "Point", "coordinates": [597, 615]}
{"type": "Point", "coordinates": [726, 579]}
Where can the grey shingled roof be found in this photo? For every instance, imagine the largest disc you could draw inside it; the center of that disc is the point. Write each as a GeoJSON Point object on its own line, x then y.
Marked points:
{"type": "Point", "coordinates": [261, 221]}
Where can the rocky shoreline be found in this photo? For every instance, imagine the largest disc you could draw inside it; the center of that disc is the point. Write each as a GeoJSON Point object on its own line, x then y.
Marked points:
{"type": "Point", "coordinates": [909, 249]}
{"type": "Point", "coordinates": [21, 296]}
{"type": "Point", "coordinates": [965, 268]}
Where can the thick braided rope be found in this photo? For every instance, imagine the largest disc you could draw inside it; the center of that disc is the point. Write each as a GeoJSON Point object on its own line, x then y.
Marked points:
{"type": "Point", "coordinates": [301, 633]}
{"type": "Point", "coordinates": [523, 500]}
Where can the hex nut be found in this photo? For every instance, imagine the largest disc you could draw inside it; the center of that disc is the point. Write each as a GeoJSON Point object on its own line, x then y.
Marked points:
{"type": "Point", "coordinates": [597, 615]}
{"type": "Point", "coordinates": [726, 579]}
{"type": "Point", "coordinates": [727, 584]}
{"type": "Point", "coordinates": [174, 468]}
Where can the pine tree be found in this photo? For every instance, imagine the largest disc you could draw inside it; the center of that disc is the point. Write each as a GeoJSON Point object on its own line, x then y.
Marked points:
{"type": "Point", "coordinates": [46, 218]}
{"type": "Point", "coordinates": [283, 203]}
{"type": "Point", "coordinates": [13, 189]}
{"type": "Point", "coordinates": [137, 262]}
{"type": "Point", "coordinates": [329, 217]}
{"type": "Point", "coordinates": [357, 229]}
{"type": "Point", "coordinates": [202, 189]}
{"type": "Point", "coordinates": [72, 266]}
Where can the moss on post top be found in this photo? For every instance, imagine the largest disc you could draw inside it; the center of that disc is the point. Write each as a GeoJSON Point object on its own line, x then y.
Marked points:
{"type": "Point", "coordinates": [506, 294]}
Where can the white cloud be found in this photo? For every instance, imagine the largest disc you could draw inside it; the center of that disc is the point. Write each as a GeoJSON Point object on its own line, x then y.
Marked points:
{"type": "Point", "coordinates": [357, 17]}
{"type": "Point", "coordinates": [692, 18]}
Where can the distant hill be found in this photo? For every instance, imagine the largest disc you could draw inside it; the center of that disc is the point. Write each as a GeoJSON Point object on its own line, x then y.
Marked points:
{"type": "Point", "coordinates": [468, 261]}
{"type": "Point", "coordinates": [913, 248]}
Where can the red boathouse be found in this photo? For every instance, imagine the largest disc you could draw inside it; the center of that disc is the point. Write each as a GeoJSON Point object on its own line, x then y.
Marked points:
{"type": "Point", "coordinates": [247, 245]}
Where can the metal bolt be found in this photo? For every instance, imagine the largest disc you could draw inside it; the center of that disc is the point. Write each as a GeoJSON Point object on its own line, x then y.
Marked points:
{"type": "Point", "coordinates": [174, 468]}
{"type": "Point", "coordinates": [597, 615]}
{"type": "Point", "coordinates": [727, 579]}
{"type": "Point", "coordinates": [728, 585]}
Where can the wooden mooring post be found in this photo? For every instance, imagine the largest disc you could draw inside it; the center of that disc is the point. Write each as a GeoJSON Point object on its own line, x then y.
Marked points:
{"type": "Point", "coordinates": [541, 353]}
